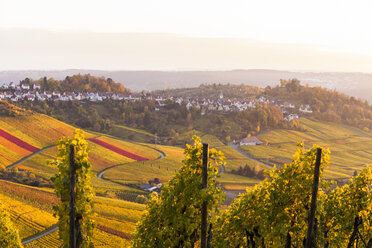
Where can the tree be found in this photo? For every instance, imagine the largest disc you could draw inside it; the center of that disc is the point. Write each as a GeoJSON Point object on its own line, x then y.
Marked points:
{"type": "Point", "coordinates": [9, 237]}
{"type": "Point", "coordinates": [173, 219]}
{"type": "Point", "coordinates": [83, 191]}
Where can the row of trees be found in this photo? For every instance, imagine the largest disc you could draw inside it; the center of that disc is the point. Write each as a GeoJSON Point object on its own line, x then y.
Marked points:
{"type": "Point", "coordinates": [249, 171]}
{"type": "Point", "coordinates": [81, 83]}
{"type": "Point", "coordinates": [10, 110]}
{"type": "Point", "coordinates": [273, 214]}
{"type": "Point", "coordinates": [214, 90]}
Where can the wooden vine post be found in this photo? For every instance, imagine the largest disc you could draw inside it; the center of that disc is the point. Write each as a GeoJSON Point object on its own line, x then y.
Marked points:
{"type": "Point", "coordinates": [72, 197]}
{"type": "Point", "coordinates": [310, 240]}
{"type": "Point", "coordinates": [204, 210]}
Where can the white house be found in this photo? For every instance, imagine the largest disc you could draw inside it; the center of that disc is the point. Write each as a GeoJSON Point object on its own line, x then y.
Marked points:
{"type": "Point", "coordinates": [291, 117]}
{"type": "Point", "coordinates": [55, 93]}
{"type": "Point", "coordinates": [8, 94]}
{"type": "Point", "coordinates": [12, 85]}
{"type": "Point", "coordinates": [25, 86]}
{"type": "Point", "coordinates": [31, 97]}
{"type": "Point", "coordinates": [306, 109]}
{"type": "Point", "coordinates": [250, 141]}
{"type": "Point", "coordinates": [179, 101]}
{"type": "Point", "coordinates": [188, 105]}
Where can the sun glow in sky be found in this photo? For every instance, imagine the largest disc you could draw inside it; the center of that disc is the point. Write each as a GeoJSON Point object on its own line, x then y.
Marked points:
{"type": "Point", "coordinates": [327, 25]}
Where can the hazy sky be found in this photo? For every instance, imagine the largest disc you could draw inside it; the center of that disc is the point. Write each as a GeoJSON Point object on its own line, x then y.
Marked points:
{"type": "Point", "coordinates": [336, 30]}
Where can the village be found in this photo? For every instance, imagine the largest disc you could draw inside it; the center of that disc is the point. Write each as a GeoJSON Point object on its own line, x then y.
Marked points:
{"type": "Point", "coordinates": [21, 92]}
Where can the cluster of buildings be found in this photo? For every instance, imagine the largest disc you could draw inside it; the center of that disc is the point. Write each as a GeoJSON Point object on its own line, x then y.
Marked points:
{"type": "Point", "coordinates": [152, 186]}
{"type": "Point", "coordinates": [223, 105]}
{"type": "Point", "coordinates": [289, 110]}
{"type": "Point", "coordinates": [20, 92]}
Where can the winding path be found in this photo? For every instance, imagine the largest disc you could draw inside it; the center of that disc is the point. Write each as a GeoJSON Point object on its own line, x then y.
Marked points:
{"type": "Point", "coordinates": [236, 147]}
{"type": "Point", "coordinates": [49, 230]}
{"type": "Point", "coordinates": [28, 157]}
{"type": "Point", "coordinates": [54, 228]}
{"type": "Point", "coordinates": [100, 174]}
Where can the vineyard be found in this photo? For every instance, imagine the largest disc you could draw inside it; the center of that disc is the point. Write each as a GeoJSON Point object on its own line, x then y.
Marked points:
{"type": "Point", "coordinates": [17, 141]}
{"type": "Point", "coordinates": [128, 164]}
{"type": "Point", "coordinates": [115, 218]}
{"type": "Point", "coordinates": [31, 212]}
{"type": "Point", "coordinates": [118, 150]}
{"type": "Point", "coordinates": [275, 213]}
{"type": "Point", "coordinates": [23, 135]}
{"type": "Point", "coordinates": [349, 146]}
{"type": "Point", "coordinates": [142, 171]}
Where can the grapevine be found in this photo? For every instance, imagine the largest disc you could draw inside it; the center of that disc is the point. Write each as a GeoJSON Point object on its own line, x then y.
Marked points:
{"type": "Point", "coordinates": [83, 191]}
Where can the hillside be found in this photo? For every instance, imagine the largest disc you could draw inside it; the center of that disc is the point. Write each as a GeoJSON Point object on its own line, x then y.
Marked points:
{"type": "Point", "coordinates": [31, 207]}
{"type": "Point", "coordinates": [326, 105]}
{"type": "Point", "coordinates": [224, 110]}
{"type": "Point", "coordinates": [120, 166]}
{"type": "Point", "coordinates": [354, 84]}
{"type": "Point", "coordinates": [31, 211]}
{"type": "Point", "coordinates": [349, 146]}
{"type": "Point", "coordinates": [22, 135]}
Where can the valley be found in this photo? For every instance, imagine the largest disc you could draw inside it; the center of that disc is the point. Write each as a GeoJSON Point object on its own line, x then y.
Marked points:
{"type": "Point", "coordinates": [131, 159]}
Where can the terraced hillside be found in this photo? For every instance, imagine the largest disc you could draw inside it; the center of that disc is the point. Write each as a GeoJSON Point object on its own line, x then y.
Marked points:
{"type": "Point", "coordinates": [28, 143]}
{"type": "Point", "coordinates": [31, 211]}
{"type": "Point", "coordinates": [22, 135]}
{"type": "Point", "coordinates": [350, 147]}
{"type": "Point", "coordinates": [105, 152]}
{"type": "Point", "coordinates": [142, 171]}
{"type": "Point", "coordinates": [119, 166]}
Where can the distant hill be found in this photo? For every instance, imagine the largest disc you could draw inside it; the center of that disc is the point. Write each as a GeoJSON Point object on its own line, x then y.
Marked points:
{"type": "Point", "coordinates": [355, 84]}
